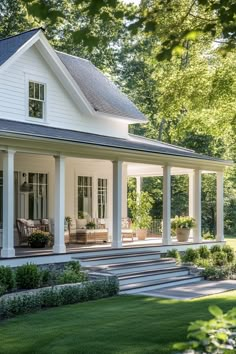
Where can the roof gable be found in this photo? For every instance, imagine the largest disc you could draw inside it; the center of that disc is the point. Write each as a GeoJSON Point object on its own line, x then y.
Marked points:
{"type": "Point", "coordinates": [9, 46]}
{"type": "Point", "coordinates": [95, 94]}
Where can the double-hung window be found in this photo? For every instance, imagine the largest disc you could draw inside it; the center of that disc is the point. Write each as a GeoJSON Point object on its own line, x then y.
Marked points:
{"type": "Point", "coordinates": [102, 198]}
{"type": "Point", "coordinates": [36, 100]}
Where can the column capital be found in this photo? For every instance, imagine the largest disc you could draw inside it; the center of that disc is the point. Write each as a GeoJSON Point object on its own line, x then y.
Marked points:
{"type": "Point", "coordinates": [9, 151]}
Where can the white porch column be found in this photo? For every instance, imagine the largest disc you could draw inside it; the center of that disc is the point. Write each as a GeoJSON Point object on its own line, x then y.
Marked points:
{"type": "Point", "coordinates": [8, 205]}
{"type": "Point", "coordinates": [191, 198]}
{"type": "Point", "coordinates": [196, 203]}
{"type": "Point", "coordinates": [124, 190]}
{"type": "Point", "coordinates": [138, 184]}
{"type": "Point", "coordinates": [117, 204]}
{"type": "Point", "coordinates": [59, 205]}
{"type": "Point", "coordinates": [166, 232]}
{"type": "Point", "coordinates": [220, 206]}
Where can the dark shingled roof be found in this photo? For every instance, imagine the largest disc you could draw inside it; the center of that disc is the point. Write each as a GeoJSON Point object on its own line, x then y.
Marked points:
{"type": "Point", "coordinates": [101, 93]}
{"type": "Point", "coordinates": [41, 131]}
{"type": "Point", "coordinates": [10, 45]}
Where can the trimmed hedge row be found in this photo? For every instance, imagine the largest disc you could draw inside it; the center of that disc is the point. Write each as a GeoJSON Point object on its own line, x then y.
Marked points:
{"type": "Point", "coordinates": [69, 294]}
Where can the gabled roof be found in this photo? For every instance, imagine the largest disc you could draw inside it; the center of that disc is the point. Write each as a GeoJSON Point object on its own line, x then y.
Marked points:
{"type": "Point", "coordinates": [101, 95]}
{"type": "Point", "coordinates": [8, 127]}
{"type": "Point", "coordinates": [10, 45]}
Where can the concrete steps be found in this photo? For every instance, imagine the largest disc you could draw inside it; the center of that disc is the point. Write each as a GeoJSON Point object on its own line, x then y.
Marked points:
{"type": "Point", "coordinates": [138, 270]}
{"type": "Point", "coordinates": [140, 287]}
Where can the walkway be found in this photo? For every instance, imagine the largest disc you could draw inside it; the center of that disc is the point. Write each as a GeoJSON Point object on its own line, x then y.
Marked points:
{"type": "Point", "coordinates": [194, 290]}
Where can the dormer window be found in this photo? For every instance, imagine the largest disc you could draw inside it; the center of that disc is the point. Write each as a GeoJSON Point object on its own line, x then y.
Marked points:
{"type": "Point", "coordinates": [36, 100]}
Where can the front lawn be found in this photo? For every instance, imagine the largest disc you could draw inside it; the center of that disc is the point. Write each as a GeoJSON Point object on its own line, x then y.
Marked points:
{"type": "Point", "coordinates": [230, 240]}
{"type": "Point", "coordinates": [119, 325]}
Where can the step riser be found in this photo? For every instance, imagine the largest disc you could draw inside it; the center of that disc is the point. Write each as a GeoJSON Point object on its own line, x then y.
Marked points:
{"type": "Point", "coordinates": [161, 286]}
{"type": "Point", "coordinates": [145, 278]}
{"type": "Point", "coordinates": [114, 251]}
{"type": "Point", "coordinates": [141, 268]}
{"type": "Point", "coordinates": [119, 260]}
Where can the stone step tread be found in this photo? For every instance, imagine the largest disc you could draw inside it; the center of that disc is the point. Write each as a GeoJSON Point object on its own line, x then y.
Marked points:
{"type": "Point", "coordinates": [152, 272]}
{"type": "Point", "coordinates": [145, 284]}
{"type": "Point", "coordinates": [119, 255]}
{"type": "Point", "coordinates": [136, 263]}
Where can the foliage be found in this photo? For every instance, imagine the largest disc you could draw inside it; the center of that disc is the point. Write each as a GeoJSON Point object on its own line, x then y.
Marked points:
{"type": "Point", "coordinates": [90, 225]}
{"type": "Point", "coordinates": [219, 259]}
{"type": "Point", "coordinates": [28, 276]}
{"type": "Point", "coordinates": [7, 278]}
{"type": "Point", "coordinates": [174, 253]}
{"type": "Point", "coordinates": [39, 237]}
{"type": "Point", "coordinates": [216, 336]}
{"type": "Point", "coordinates": [183, 222]}
{"type": "Point", "coordinates": [72, 274]}
{"type": "Point", "coordinates": [68, 220]}
{"type": "Point", "coordinates": [215, 248]}
{"type": "Point", "coordinates": [230, 253]}
{"type": "Point", "coordinates": [54, 297]}
{"type": "Point", "coordinates": [213, 272]}
{"type": "Point", "coordinates": [140, 205]}
{"type": "Point", "coordinates": [204, 252]}
{"type": "Point", "coordinates": [190, 255]}
{"type": "Point", "coordinates": [208, 236]}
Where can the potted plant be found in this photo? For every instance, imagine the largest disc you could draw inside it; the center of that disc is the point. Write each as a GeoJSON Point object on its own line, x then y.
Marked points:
{"type": "Point", "coordinates": [140, 205]}
{"type": "Point", "coordinates": [90, 225]}
{"type": "Point", "coordinates": [68, 220]}
{"type": "Point", "coordinates": [39, 239]}
{"type": "Point", "coordinates": [182, 226]}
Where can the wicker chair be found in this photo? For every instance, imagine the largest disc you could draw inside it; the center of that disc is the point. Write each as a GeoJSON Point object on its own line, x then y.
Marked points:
{"type": "Point", "coordinates": [26, 227]}
{"type": "Point", "coordinates": [126, 229]}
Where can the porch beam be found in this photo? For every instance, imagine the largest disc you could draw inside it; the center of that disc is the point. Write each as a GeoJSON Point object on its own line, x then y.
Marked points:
{"type": "Point", "coordinates": [166, 233]}
{"type": "Point", "coordinates": [196, 205]}
{"type": "Point", "coordinates": [59, 206]}
{"type": "Point", "coordinates": [220, 206]}
{"type": "Point", "coordinates": [117, 204]}
{"type": "Point", "coordinates": [8, 249]}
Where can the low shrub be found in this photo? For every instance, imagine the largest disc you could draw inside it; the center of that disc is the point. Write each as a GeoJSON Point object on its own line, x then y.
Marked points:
{"type": "Point", "coordinates": [219, 259]}
{"type": "Point", "coordinates": [174, 253]}
{"type": "Point", "coordinates": [7, 278]}
{"type": "Point", "coordinates": [28, 276]}
{"type": "Point", "coordinates": [55, 296]}
{"type": "Point", "coordinates": [203, 263]}
{"type": "Point", "coordinates": [229, 251]}
{"type": "Point", "coordinates": [215, 248]}
{"type": "Point", "coordinates": [217, 273]}
{"type": "Point", "coordinates": [190, 255]}
{"type": "Point", "coordinates": [72, 274]}
{"type": "Point", "coordinates": [204, 252]}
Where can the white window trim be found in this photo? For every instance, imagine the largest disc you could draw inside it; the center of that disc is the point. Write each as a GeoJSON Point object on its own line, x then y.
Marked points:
{"type": "Point", "coordinates": [39, 80]}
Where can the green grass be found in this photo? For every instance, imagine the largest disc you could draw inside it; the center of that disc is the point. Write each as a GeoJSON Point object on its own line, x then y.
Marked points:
{"type": "Point", "coordinates": [119, 325]}
{"type": "Point", "coordinates": [230, 240]}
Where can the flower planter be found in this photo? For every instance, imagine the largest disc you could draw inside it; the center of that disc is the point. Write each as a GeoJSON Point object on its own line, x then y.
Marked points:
{"type": "Point", "coordinates": [38, 244]}
{"type": "Point", "coordinates": [182, 234]}
{"type": "Point", "coordinates": [141, 234]}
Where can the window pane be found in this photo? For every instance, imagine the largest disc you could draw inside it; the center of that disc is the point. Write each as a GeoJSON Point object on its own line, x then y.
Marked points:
{"type": "Point", "coordinates": [38, 199]}
{"type": "Point", "coordinates": [35, 109]}
{"type": "Point", "coordinates": [102, 198]}
{"type": "Point", "coordinates": [36, 92]}
{"type": "Point", "coordinates": [84, 197]}
{"type": "Point", "coordinates": [41, 92]}
{"type": "Point", "coordinates": [31, 89]}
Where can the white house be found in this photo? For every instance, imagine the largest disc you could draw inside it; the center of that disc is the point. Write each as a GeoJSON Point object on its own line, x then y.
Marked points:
{"type": "Point", "coordinates": [64, 131]}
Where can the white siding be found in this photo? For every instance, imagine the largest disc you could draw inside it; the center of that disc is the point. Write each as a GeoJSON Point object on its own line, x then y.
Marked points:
{"type": "Point", "coordinates": [60, 109]}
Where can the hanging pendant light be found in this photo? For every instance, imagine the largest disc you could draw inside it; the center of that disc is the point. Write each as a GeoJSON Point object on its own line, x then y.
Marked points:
{"type": "Point", "coordinates": [25, 187]}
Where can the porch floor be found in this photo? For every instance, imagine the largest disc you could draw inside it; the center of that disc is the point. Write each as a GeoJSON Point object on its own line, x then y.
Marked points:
{"type": "Point", "coordinates": [127, 243]}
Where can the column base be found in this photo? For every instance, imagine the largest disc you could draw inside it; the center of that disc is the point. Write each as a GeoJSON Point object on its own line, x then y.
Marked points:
{"type": "Point", "coordinates": [116, 244]}
{"type": "Point", "coordinates": [8, 252]}
{"type": "Point", "coordinates": [59, 249]}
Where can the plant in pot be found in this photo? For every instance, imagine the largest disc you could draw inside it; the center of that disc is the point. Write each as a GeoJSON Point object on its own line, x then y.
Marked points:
{"type": "Point", "coordinates": [68, 220]}
{"type": "Point", "coordinates": [39, 239]}
{"type": "Point", "coordinates": [90, 225]}
{"type": "Point", "coordinates": [140, 205]}
{"type": "Point", "coordinates": [182, 226]}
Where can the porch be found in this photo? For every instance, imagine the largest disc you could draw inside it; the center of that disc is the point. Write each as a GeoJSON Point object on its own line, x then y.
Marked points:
{"type": "Point", "coordinates": [94, 181]}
